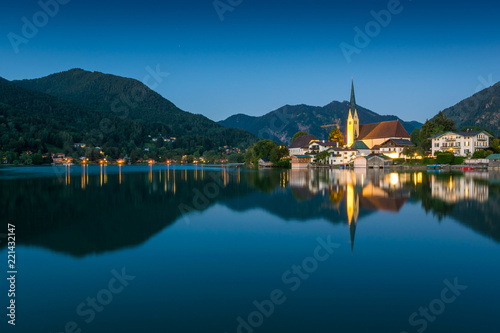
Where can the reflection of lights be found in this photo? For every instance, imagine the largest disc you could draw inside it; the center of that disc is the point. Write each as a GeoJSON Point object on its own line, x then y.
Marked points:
{"type": "Point", "coordinates": [394, 179]}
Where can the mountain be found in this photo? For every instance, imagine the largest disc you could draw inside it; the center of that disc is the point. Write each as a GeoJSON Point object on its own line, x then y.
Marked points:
{"type": "Point", "coordinates": [281, 124]}
{"type": "Point", "coordinates": [481, 110]}
{"type": "Point", "coordinates": [104, 110]}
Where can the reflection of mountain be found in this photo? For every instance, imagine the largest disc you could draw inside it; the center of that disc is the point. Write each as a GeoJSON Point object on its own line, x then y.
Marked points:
{"type": "Point", "coordinates": [82, 214]}
{"type": "Point", "coordinates": [95, 214]}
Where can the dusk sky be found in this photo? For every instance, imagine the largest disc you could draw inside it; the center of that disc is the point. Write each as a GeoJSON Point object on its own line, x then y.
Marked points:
{"type": "Point", "coordinates": [266, 54]}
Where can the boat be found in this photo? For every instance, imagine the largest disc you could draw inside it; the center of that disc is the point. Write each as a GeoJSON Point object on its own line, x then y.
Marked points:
{"type": "Point", "coordinates": [434, 166]}
{"type": "Point", "coordinates": [468, 168]}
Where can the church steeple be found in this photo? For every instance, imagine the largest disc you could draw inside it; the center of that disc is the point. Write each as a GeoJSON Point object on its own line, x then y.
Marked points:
{"type": "Point", "coordinates": [352, 121]}
{"type": "Point", "coordinates": [352, 107]}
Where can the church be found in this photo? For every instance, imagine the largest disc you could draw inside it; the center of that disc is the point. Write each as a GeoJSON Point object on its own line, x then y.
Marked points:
{"type": "Point", "coordinates": [372, 135]}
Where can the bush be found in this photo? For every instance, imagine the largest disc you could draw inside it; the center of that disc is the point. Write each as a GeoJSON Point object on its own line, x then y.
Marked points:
{"type": "Point", "coordinates": [482, 153]}
{"type": "Point", "coordinates": [283, 164]}
{"type": "Point", "coordinates": [445, 158]}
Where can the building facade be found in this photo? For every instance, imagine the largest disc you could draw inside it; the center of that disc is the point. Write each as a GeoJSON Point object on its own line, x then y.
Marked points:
{"type": "Point", "coordinates": [461, 143]}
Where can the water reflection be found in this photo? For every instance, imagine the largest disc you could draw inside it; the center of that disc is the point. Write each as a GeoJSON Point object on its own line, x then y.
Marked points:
{"type": "Point", "coordinates": [128, 205]}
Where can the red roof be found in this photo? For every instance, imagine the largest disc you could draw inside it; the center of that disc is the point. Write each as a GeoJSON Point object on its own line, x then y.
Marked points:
{"type": "Point", "coordinates": [385, 129]}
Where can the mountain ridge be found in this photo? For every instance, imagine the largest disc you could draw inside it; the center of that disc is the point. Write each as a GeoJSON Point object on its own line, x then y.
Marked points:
{"type": "Point", "coordinates": [282, 123]}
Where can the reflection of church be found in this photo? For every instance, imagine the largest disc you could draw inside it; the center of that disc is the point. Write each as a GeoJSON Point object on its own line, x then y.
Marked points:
{"type": "Point", "coordinates": [359, 190]}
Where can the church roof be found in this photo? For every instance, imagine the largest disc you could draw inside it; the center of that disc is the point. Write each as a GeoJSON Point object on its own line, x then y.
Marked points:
{"type": "Point", "coordinates": [385, 129]}
{"type": "Point", "coordinates": [303, 141]}
{"type": "Point", "coordinates": [359, 145]}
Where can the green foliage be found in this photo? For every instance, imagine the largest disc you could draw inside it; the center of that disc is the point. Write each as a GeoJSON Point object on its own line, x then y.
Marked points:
{"type": "Point", "coordinates": [79, 106]}
{"type": "Point", "coordinates": [445, 158]}
{"type": "Point", "coordinates": [415, 137]}
{"type": "Point", "coordinates": [482, 153]}
{"type": "Point", "coordinates": [336, 136]}
{"type": "Point", "coordinates": [298, 135]}
{"type": "Point", "coordinates": [322, 157]}
{"type": "Point", "coordinates": [286, 164]}
{"type": "Point", "coordinates": [439, 124]}
{"type": "Point", "coordinates": [266, 149]}
{"type": "Point", "coordinates": [495, 145]}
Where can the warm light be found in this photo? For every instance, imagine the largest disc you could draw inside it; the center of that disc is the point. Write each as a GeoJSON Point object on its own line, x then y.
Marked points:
{"type": "Point", "coordinates": [394, 179]}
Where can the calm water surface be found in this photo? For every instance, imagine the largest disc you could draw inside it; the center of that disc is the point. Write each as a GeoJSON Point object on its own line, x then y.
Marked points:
{"type": "Point", "coordinates": [209, 249]}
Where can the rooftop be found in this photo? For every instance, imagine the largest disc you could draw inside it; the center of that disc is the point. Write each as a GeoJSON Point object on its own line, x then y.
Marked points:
{"type": "Point", "coordinates": [303, 141]}
{"type": "Point", "coordinates": [385, 129]}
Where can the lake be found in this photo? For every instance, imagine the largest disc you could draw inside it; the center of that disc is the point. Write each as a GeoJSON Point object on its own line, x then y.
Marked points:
{"type": "Point", "coordinates": [211, 249]}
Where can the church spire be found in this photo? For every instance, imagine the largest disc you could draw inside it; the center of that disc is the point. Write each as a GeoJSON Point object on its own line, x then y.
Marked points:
{"type": "Point", "coordinates": [352, 107]}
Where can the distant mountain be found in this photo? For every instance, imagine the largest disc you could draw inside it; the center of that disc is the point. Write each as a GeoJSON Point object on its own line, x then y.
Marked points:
{"type": "Point", "coordinates": [481, 110]}
{"type": "Point", "coordinates": [281, 124]}
{"type": "Point", "coordinates": [102, 109]}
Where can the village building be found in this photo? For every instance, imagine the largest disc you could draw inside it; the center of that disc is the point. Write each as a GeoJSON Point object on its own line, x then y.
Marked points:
{"type": "Point", "coordinates": [362, 148]}
{"type": "Point", "coordinates": [301, 145]}
{"type": "Point", "coordinates": [460, 143]}
{"type": "Point", "coordinates": [341, 156]}
{"type": "Point", "coordinates": [265, 163]}
{"type": "Point", "coordinates": [393, 148]}
{"type": "Point", "coordinates": [373, 161]}
{"type": "Point", "coordinates": [301, 161]}
{"type": "Point", "coordinates": [493, 161]}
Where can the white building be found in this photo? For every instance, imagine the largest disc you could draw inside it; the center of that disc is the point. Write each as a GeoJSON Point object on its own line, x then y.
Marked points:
{"type": "Point", "coordinates": [394, 147]}
{"type": "Point", "coordinates": [341, 156]}
{"type": "Point", "coordinates": [461, 143]}
{"type": "Point", "coordinates": [301, 145]}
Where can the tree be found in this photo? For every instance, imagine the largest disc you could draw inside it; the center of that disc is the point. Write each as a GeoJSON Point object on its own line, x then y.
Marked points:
{"type": "Point", "coordinates": [439, 124]}
{"type": "Point", "coordinates": [415, 137]}
{"type": "Point", "coordinates": [495, 145]}
{"type": "Point", "coordinates": [323, 156]}
{"type": "Point", "coordinates": [298, 135]}
{"type": "Point", "coordinates": [263, 148]}
{"type": "Point", "coordinates": [336, 136]}
{"type": "Point", "coordinates": [409, 151]}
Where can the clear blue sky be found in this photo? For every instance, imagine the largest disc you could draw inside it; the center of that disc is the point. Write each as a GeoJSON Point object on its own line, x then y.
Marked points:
{"type": "Point", "coordinates": [266, 54]}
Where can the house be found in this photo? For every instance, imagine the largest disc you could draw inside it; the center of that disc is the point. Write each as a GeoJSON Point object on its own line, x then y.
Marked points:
{"type": "Point", "coordinates": [372, 161]}
{"type": "Point", "coordinates": [301, 145]}
{"type": "Point", "coordinates": [460, 143]}
{"type": "Point", "coordinates": [301, 161]}
{"type": "Point", "coordinates": [341, 155]}
{"type": "Point", "coordinates": [265, 163]}
{"type": "Point", "coordinates": [58, 158]}
{"type": "Point", "coordinates": [79, 145]}
{"type": "Point", "coordinates": [493, 161]}
{"type": "Point", "coordinates": [394, 147]}
{"type": "Point", "coordinates": [361, 147]}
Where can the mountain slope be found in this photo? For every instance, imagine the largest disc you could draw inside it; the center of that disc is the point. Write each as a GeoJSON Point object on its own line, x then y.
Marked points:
{"type": "Point", "coordinates": [130, 99]}
{"type": "Point", "coordinates": [283, 123]}
{"type": "Point", "coordinates": [481, 109]}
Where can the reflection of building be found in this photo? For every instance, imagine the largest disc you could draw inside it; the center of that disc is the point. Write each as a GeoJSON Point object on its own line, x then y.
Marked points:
{"type": "Point", "coordinates": [455, 189]}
